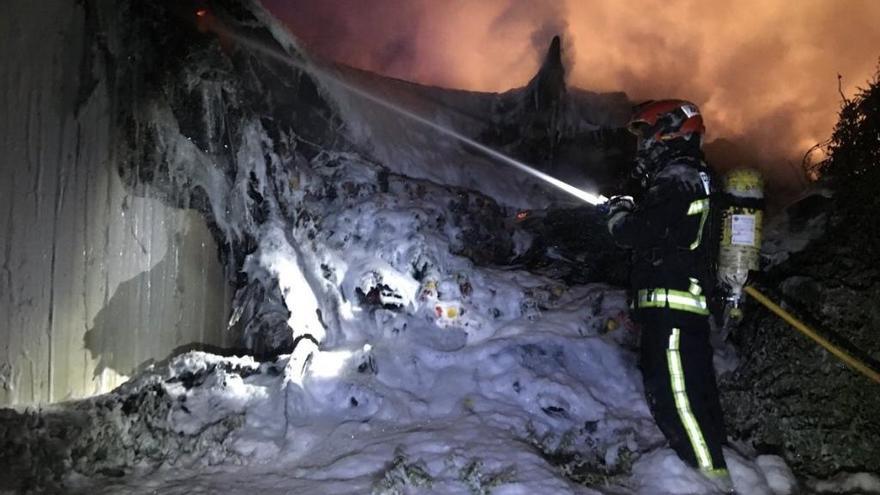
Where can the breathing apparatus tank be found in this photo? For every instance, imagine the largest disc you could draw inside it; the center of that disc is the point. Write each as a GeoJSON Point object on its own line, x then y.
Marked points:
{"type": "Point", "coordinates": [741, 235]}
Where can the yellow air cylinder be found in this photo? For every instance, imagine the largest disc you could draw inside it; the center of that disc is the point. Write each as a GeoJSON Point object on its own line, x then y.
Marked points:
{"type": "Point", "coordinates": [741, 235]}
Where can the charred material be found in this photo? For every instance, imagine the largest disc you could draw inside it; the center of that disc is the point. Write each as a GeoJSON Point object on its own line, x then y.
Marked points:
{"type": "Point", "coordinates": [573, 134]}
{"type": "Point", "coordinates": [574, 246]}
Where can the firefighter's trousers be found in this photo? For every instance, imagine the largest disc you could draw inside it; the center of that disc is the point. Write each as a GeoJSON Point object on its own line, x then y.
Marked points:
{"type": "Point", "coordinates": [680, 387]}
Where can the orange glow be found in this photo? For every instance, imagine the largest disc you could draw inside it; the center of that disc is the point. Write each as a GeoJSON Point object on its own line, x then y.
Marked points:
{"type": "Point", "coordinates": [522, 215]}
{"type": "Point", "coordinates": [203, 23]}
{"type": "Point", "coordinates": [764, 72]}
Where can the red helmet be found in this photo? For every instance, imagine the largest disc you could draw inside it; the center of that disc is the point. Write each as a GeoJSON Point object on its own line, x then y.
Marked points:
{"type": "Point", "coordinates": [663, 120]}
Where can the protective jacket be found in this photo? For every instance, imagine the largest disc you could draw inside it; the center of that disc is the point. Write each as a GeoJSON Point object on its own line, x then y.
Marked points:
{"type": "Point", "coordinates": [668, 231]}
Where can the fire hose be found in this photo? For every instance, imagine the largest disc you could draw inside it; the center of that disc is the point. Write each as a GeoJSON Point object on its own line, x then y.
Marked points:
{"type": "Point", "coordinates": [851, 361]}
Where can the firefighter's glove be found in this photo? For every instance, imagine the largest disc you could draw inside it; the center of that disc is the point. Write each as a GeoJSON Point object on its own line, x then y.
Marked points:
{"type": "Point", "coordinates": [619, 204]}
{"type": "Point", "coordinates": [618, 207]}
{"type": "Point", "coordinates": [615, 204]}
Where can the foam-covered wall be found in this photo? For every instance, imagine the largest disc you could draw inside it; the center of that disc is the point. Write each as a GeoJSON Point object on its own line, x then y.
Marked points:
{"type": "Point", "coordinates": [95, 282]}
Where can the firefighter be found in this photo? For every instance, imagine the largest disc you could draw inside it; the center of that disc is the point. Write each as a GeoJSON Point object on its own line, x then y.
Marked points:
{"type": "Point", "coordinates": [668, 228]}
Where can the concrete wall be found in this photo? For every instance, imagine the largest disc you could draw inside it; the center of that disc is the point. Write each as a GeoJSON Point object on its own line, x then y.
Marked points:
{"type": "Point", "coordinates": [94, 282]}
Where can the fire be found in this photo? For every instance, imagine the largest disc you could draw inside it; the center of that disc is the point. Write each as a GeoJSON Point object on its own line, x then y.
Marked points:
{"type": "Point", "coordinates": [201, 12]}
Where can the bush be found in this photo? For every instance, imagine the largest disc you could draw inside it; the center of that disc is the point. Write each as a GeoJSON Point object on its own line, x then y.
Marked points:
{"type": "Point", "coordinates": [853, 163]}
{"type": "Point", "coordinates": [854, 152]}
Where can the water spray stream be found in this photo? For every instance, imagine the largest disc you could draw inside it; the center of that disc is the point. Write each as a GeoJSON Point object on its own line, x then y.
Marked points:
{"type": "Point", "coordinates": [591, 198]}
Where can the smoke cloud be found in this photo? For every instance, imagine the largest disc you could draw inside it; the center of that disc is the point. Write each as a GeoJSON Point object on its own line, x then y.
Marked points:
{"type": "Point", "coordinates": [764, 72]}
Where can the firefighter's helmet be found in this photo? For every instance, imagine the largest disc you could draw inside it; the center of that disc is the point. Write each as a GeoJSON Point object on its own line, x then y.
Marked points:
{"type": "Point", "coordinates": [664, 120]}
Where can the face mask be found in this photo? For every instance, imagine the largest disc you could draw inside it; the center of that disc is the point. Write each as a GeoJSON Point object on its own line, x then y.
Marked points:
{"type": "Point", "coordinates": [647, 151]}
{"type": "Point", "coordinates": [643, 145]}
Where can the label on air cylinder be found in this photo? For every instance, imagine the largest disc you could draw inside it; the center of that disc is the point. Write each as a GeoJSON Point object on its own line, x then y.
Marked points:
{"type": "Point", "coordinates": [742, 230]}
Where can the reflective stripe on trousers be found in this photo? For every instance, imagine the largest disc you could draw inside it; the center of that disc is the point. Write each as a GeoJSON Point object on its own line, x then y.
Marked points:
{"type": "Point", "coordinates": [683, 405]}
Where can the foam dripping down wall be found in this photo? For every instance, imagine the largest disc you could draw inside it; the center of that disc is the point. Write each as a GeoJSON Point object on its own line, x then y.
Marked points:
{"type": "Point", "coordinates": [95, 282]}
